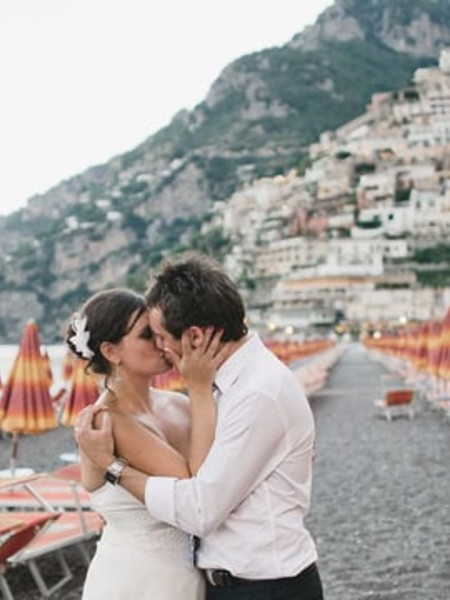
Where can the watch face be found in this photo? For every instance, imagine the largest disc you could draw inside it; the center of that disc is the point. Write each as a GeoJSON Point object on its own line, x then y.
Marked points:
{"type": "Point", "coordinates": [114, 471]}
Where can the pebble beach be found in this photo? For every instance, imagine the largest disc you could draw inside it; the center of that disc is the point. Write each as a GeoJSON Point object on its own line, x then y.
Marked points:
{"type": "Point", "coordinates": [380, 511]}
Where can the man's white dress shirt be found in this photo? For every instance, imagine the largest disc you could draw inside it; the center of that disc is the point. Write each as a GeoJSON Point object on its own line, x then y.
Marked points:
{"type": "Point", "coordinates": [248, 500]}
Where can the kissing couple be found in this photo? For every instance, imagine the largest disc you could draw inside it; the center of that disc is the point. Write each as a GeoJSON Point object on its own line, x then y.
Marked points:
{"type": "Point", "coordinates": [204, 496]}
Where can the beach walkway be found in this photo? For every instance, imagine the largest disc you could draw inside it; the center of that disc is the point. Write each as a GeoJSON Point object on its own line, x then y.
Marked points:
{"type": "Point", "coordinates": [380, 509]}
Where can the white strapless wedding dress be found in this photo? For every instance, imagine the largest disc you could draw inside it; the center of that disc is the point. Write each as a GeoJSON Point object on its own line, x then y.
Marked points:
{"type": "Point", "coordinates": [138, 557]}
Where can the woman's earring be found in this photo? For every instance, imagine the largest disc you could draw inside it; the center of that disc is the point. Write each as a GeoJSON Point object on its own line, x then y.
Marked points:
{"type": "Point", "coordinates": [117, 374]}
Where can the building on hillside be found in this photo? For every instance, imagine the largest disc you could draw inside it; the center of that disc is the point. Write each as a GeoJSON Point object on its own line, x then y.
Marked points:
{"type": "Point", "coordinates": [333, 192]}
{"type": "Point", "coordinates": [434, 132]}
{"type": "Point", "coordinates": [430, 211]}
{"type": "Point", "coordinates": [341, 222]}
{"type": "Point", "coordinates": [392, 221]}
{"type": "Point", "coordinates": [283, 257]}
{"type": "Point", "coordinates": [433, 85]}
{"type": "Point", "coordinates": [371, 146]}
{"type": "Point", "coordinates": [337, 240]}
{"type": "Point", "coordinates": [394, 306]}
{"type": "Point", "coordinates": [353, 297]}
{"type": "Point", "coordinates": [376, 188]}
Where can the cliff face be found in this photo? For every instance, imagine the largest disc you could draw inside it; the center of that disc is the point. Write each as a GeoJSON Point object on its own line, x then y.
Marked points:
{"type": "Point", "coordinates": [418, 28]}
{"type": "Point", "coordinates": [110, 224]}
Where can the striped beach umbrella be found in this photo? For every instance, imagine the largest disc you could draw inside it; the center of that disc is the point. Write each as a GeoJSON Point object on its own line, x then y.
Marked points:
{"type": "Point", "coordinates": [67, 368]}
{"type": "Point", "coordinates": [443, 358]}
{"type": "Point", "coordinates": [83, 391]}
{"type": "Point", "coordinates": [48, 367]}
{"type": "Point", "coordinates": [25, 404]}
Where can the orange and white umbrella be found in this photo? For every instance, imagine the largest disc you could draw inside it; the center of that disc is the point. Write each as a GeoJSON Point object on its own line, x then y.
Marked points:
{"type": "Point", "coordinates": [25, 405]}
{"type": "Point", "coordinates": [47, 367]}
{"type": "Point", "coordinates": [443, 355]}
{"type": "Point", "coordinates": [68, 364]}
{"type": "Point", "coordinates": [83, 391]}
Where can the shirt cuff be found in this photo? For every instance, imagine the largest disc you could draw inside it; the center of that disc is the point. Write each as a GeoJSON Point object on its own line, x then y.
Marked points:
{"type": "Point", "coordinates": [160, 498]}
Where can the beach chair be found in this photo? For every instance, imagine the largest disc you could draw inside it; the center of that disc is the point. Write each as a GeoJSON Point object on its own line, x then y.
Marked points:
{"type": "Point", "coordinates": [71, 527]}
{"type": "Point", "coordinates": [60, 489]}
{"type": "Point", "coordinates": [42, 534]}
{"type": "Point", "coordinates": [66, 531]}
{"type": "Point", "coordinates": [75, 524]}
{"type": "Point", "coordinates": [397, 398]}
{"type": "Point", "coordinates": [16, 531]}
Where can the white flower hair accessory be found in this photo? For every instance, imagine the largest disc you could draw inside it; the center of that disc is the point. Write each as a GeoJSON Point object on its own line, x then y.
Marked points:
{"type": "Point", "coordinates": [81, 338]}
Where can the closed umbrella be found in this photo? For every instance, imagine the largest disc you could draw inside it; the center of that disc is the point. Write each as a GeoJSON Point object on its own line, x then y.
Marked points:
{"type": "Point", "coordinates": [443, 358]}
{"type": "Point", "coordinates": [67, 368]}
{"type": "Point", "coordinates": [25, 404]}
{"type": "Point", "coordinates": [47, 368]}
{"type": "Point", "coordinates": [83, 391]}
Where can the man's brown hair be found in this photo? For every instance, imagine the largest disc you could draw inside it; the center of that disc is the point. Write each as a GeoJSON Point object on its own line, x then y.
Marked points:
{"type": "Point", "coordinates": [194, 290]}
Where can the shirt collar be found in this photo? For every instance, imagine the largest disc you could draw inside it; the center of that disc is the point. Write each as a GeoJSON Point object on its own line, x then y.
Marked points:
{"type": "Point", "coordinates": [234, 365]}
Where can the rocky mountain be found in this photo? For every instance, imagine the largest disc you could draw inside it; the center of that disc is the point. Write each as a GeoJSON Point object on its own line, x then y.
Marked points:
{"type": "Point", "coordinates": [112, 223]}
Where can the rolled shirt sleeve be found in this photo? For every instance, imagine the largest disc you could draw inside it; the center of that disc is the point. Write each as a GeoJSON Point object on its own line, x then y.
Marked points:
{"type": "Point", "coordinates": [160, 498]}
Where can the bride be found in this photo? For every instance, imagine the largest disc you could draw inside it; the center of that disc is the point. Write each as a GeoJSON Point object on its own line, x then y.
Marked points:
{"type": "Point", "coordinates": [159, 432]}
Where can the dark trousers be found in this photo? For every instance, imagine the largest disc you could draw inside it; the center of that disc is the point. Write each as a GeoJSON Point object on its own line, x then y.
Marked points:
{"type": "Point", "coordinates": [305, 586]}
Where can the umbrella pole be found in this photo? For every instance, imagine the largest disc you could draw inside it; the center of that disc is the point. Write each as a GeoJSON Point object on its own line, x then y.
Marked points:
{"type": "Point", "coordinates": [14, 452]}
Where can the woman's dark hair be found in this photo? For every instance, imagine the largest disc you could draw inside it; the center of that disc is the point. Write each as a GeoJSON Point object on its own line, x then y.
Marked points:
{"type": "Point", "coordinates": [195, 290]}
{"type": "Point", "coordinates": [107, 317]}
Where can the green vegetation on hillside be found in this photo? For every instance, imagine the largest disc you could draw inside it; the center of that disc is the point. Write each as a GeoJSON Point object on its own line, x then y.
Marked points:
{"type": "Point", "coordinates": [369, 12]}
{"type": "Point", "coordinates": [438, 276]}
{"type": "Point", "coordinates": [433, 254]}
{"type": "Point", "coordinates": [436, 279]}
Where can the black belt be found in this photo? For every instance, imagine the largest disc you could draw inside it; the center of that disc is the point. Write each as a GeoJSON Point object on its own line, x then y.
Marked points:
{"type": "Point", "coordinates": [222, 578]}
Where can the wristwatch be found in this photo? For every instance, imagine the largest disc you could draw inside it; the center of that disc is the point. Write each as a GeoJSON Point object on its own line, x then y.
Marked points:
{"type": "Point", "coordinates": [115, 469]}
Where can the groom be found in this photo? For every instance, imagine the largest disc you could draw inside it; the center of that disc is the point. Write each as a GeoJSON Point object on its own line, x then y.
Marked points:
{"type": "Point", "coordinates": [248, 500]}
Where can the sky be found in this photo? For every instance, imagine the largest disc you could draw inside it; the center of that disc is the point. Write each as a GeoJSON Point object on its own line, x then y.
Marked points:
{"type": "Point", "coordinates": [85, 80]}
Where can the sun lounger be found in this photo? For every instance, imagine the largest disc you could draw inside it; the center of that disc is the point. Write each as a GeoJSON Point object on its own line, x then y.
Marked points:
{"type": "Point", "coordinates": [396, 402]}
{"type": "Point", "coordinates": [60, 495]}
{"type": "Point", "coordinates": [16, 532]}
{"type": "Point", "coordinates": [35, 535]}
{"type": "Point", "coordinates": [71, 471]}
{"type": "Point", "coordinates": [397, 397]}
{"type": "Point", "coordinates": [60, 489]}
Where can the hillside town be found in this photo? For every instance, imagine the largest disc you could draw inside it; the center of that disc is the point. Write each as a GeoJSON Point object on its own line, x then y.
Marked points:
{"type": "Point", "coordinates": [352, 239]}
{"type": "Point", "coordinates": [334, 243]}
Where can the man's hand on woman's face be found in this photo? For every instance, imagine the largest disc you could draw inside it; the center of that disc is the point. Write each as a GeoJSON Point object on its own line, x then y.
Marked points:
{"type": "Point", "coordinates": [200, 357]}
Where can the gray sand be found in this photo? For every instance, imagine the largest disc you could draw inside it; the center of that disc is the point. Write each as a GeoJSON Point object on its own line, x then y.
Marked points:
{"type": "Point", "coordinates": [380, 509]}
{"type": "Point", "coordinates": [381, 493]}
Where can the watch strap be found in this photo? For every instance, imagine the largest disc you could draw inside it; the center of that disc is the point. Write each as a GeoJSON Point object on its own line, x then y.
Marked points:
{"type": "Point", "coordinates": [114, 471]}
